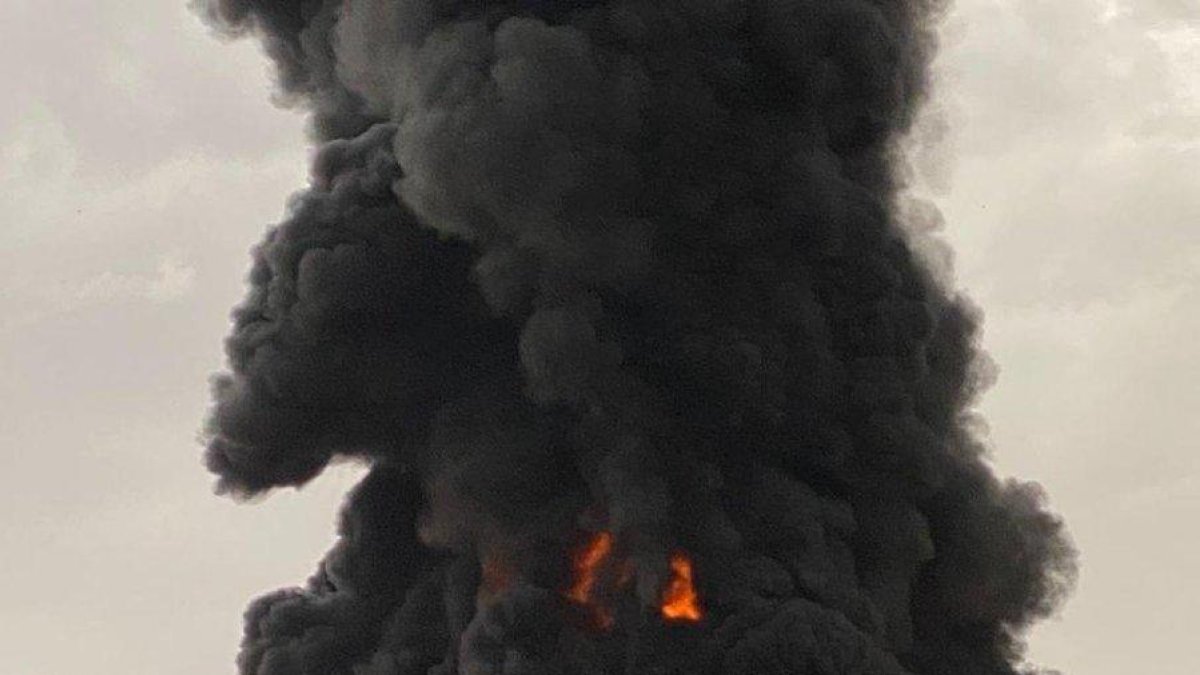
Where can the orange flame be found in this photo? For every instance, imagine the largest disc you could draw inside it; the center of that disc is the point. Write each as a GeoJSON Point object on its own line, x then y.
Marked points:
{"type": "Point", "coordinates": [680, 602]}
{"type": "Point", "coordinates": [588, 563]}
{"type": "Point", "coordinates": [593, 567]}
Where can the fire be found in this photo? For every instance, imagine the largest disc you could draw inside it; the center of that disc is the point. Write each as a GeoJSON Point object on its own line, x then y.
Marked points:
{"type": "Point", "coordinates": [680, 602]}
{"type": "Point", "coordinates": [595, 570]}
{"type": "Point", "coordinates": [588, 564]}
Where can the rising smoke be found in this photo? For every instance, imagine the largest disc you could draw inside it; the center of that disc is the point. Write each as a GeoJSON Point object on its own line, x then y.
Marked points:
{"type": "Point", "coordinates": [625, 272]}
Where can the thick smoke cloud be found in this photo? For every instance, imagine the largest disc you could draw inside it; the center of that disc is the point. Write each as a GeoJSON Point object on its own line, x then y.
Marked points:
{"type": "Point", "coordinates": [628, 265]}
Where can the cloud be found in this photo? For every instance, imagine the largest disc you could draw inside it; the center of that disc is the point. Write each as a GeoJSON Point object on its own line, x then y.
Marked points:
{"type": "Point", "coordinates": [1089, 119]}
{"type": "Point", "coordinates": [28, 301]}
{"type": "Point", "coordinates": [171, 280]}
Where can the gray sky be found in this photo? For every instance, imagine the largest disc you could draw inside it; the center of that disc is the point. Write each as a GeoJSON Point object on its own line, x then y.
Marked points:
{"type": "Point", "coordinates": [140, 158]}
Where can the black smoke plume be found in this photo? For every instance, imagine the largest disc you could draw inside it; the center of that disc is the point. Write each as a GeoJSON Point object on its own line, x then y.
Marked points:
{"type": "Point", "coordinates": [630, 266]}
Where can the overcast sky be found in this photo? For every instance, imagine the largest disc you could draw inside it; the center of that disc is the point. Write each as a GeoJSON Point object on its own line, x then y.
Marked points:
{"type": "Point", "coordinates": [140, 158]}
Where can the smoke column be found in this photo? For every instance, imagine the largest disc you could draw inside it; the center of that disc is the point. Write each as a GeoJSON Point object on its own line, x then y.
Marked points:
{"type": "Point", "coordinates": [618, 289]}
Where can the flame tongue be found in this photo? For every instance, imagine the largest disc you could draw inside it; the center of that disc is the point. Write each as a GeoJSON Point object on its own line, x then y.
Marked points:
{"type": "Point", "coordinates": [588, 564]}
{"type": "Point", "coordinates": [680, 602]}
{"type": "Point", "coordinates": [594, 569]}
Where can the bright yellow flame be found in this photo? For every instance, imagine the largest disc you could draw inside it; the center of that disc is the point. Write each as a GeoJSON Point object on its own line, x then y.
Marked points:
{"type": "Point", "coordinates": [680, 602]}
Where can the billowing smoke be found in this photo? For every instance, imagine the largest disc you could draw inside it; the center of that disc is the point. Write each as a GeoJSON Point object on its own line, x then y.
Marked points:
{"type": "Point", "coordinates": [618, 289]}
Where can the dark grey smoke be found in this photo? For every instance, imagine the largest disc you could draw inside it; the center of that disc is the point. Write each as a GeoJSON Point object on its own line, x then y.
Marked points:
{"type": "Point", "coordinates": [628, 265]}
